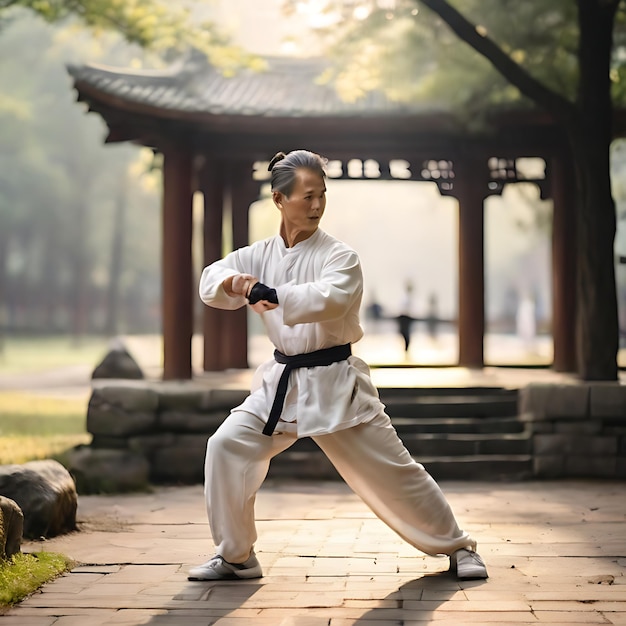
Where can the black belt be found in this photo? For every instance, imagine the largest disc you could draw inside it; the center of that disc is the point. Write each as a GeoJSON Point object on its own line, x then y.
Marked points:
{"type": "Point", "coordinates": [309, 359]}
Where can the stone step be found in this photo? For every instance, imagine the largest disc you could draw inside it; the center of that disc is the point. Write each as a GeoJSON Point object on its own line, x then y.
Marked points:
{"type": "Point", "coordinates": [509, 424]}
{"type": "Point", "coordinates": [413, 402]}
{"type": "Point", "coordinates": [313, 465]}
{"type": "Point", "coordinates": [480, 467]}
{"type": "Point", "coordinates": [428, 444]}
{"type": "Point", "coordinates": [442, 444]}
{"type": "Point", "coordinates": [412, 392]}
{"type": "Point", "coordinates": [451, 406]}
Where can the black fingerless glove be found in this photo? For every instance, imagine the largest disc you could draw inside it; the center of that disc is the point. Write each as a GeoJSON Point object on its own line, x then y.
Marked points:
{"type": "Point", "coordinates": [262, 292]}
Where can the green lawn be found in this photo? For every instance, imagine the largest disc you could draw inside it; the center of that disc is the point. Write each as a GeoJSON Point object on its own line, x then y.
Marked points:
{"type": "Point", "coordinates": [21, 355]}
{"type": "Point", "coordinates": [36, 427]}
{"type": "Point", "coordinates": [25, 573]}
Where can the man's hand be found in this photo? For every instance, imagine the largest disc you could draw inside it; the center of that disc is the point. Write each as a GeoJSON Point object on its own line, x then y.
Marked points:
{"type": "Point", "coordinates": [239, 285]}
{"type": "Point", "coordinates": [263, 305]}
{"type": "Point", "coordinates": [262, 298]}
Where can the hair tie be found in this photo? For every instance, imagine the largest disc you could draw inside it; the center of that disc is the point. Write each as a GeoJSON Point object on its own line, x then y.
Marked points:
{"type": "Point", "coordinates": [279, 156]}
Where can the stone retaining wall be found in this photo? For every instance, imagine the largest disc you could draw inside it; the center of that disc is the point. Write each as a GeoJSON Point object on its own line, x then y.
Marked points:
{"type": "Point", "coordinates": [579, 430]}
{"type": "Point", "coordinates": [156, 432]}
{"type": "Point", "coordinates": [165, 423]}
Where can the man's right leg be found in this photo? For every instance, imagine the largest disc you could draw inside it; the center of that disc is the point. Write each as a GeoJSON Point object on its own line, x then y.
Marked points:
{"type": "Point", "coordinates": [237, 461]}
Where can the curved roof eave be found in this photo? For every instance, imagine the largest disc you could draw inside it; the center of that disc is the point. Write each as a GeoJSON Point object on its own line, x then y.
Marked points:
{"type": "Point", "coordinates": [198, 92]}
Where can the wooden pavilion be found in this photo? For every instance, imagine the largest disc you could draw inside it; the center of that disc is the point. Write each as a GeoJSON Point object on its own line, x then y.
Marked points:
{"type": "Point", "coordinates": [216, 133]}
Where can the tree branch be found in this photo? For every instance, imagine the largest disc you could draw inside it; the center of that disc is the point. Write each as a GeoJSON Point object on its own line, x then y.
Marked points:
{"type": "Point", "coordinates": [550, 100]}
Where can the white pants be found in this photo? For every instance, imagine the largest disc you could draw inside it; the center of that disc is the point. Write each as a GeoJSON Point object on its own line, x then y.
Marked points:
{"type": "Point", "coordinates": [371, 459]}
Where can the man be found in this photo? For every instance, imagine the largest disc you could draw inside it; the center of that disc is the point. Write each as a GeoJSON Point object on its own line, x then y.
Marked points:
{"type": "Point", "coordinates": [307, 286]}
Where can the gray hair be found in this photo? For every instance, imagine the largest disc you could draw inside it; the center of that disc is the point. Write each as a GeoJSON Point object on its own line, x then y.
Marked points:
{"type": "Point", "coordinates": [284, 166]}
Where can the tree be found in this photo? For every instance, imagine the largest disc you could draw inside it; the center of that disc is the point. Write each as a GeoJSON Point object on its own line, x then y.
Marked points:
{"type": "Point", "coordinates": [57, 180]}
{"type": "Point", "coordinates": [164, 27]}
{"type": "Point", "coordinates": [58, 191]}
{"type": "Point", "coordinates": [560, 56]}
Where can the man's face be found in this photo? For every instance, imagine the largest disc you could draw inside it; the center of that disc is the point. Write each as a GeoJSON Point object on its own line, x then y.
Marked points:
{"type": "Point", "coordinates": [303, 209]}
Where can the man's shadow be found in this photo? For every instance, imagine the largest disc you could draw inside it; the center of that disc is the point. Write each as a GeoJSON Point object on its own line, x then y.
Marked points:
{"type": "Point", "coordinates": [417, 600]}
{"type": "Point", "coordinates": [207, 602]}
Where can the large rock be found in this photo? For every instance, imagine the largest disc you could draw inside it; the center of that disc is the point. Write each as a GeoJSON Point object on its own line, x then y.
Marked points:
{"type": "Point", "coordinates": [118, 363]}
{"type": "Point", "coordinates": [11, 527]}
{"type": "Point", "coordinates": [46, 494]}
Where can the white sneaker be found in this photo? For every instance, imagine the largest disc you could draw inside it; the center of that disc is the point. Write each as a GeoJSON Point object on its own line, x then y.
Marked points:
{"type": "Point", "coordinates": [467, 564]}
{"type": "Point", "coordinates": [216, 568]}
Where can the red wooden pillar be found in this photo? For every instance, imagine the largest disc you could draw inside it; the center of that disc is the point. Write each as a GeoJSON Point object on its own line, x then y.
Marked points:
{"type": "Point", "coordinates": [243, 191]}
{"type": "Point", "coordinates": [563, 265]}
{"type": "Point", "coordinates": [211, 184]}
{"type": "Point", "coordinates": [177, 263]}
{"type": "Point", "coordinates": [470, 190]}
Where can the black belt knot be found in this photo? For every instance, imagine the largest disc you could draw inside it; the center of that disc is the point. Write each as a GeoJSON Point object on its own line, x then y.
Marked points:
{"type": "Point", "coordinates": [325, 356]}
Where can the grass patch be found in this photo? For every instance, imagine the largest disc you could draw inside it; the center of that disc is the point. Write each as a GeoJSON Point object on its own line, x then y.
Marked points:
{"type": "Point", "coordinates": [38, 427]}
{"type": "Point", "coordinates": [34, 354]}
{"type": "Point", "coordinates": [25, 573]}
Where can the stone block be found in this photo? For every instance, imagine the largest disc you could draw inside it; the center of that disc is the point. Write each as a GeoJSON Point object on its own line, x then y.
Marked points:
{"type": "Point", "coordinates": [570, 401]}
{"type": "Point", "coordinates": [110, 422]}
{"type": "Point", "coordinates": [113, 443]}
{"type": "Point", "coordinates": [533, 400]}
{"type": "Point", "coordinates": [548, 466]}
{"type": "Point", "coordinates": [608, 399]}
{"type": "Point", "coordinates": [108, 471]}
{"type": "Point", "coordinates": [546, 401]}
{"type": "Point", "coordinates": [182, 396]}
{"type": "Point", "coordinates": [573, 444]}
{"type": "Point", "coordinates": [145, 445]}
{"type": "Point", "coordinates": [125, 408]}
{"type": "Point", "coordinates": [181, 422]}
{"type": "Point", "coordinates": [588, 427]}
{"type": "Point", "coordinates": [128, 395]}
{"type": "Point", "coordinates": [178, 464]}
{"type": "Point", "coordinates": [541, 428]}
{"type": "Point", "coordinates": [224, 399]}
{"type": "Point", "coordinates": [550, 444]}
{"type": "Point", "coordinates": [582, 465]}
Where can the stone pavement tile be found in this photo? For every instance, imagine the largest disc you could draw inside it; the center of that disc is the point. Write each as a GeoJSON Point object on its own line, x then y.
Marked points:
{"type": "Point", "coordinates": [498, 606]}
{"type": "Point", "coordinates": [30, 620]}
{"type": "Point", "coordinates": [587, 594]}
{"type": "Point", "coordinates": [478, 618]}
{"type": "Point", "coordinates": [136, 617]}
{"type": "Point", "coordinates": [572, 605]}
{"type": "Point", "coordinates": [570, 617]}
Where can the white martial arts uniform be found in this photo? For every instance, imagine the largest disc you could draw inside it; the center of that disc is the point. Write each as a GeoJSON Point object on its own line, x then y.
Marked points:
{"type": "Point", "coordinates": [319, 286]}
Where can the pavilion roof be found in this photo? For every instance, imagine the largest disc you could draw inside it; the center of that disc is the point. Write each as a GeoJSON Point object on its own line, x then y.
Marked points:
{"type": "Point", "coordinates": [287, 87]}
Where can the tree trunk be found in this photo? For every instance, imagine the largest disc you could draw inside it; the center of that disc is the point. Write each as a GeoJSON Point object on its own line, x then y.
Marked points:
{"type": "Point", "coordinates": [591, 136]}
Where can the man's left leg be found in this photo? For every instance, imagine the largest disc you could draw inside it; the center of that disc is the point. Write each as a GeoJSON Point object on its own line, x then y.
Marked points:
{"type": "Point", "coordinates": [376, 465]}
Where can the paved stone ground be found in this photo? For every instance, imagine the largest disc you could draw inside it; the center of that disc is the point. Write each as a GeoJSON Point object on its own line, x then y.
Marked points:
{"type": "Point", "coordinates": [556, 554]}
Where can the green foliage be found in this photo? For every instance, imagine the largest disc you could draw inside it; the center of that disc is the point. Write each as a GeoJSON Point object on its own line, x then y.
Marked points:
{"type": "Point", "coordinates": [161, 26]}
{"type": "Point", "coordinates": [407, 50]}
{"type": "Point", "coordinates": [25, 573]}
